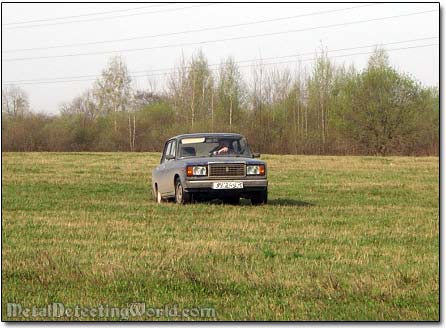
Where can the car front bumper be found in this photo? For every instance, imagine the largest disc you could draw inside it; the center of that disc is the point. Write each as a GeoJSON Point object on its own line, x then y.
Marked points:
{"type": "Point", "coordinates": [206, 185]}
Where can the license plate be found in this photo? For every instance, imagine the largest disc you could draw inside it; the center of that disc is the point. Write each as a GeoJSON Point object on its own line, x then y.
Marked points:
{"type": "Point", "coordinates": [227, 185]}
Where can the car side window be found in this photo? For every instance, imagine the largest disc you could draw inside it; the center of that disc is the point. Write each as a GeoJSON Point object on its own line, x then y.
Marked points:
{"type": "Point", "coordinates": [173, 148]}
{"type": "Point", "coordinates": [169, 146]}
{"type": "Point", "coordinates": [166, 151]}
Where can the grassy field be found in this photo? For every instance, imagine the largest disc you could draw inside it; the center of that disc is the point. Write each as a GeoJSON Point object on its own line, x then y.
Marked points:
{"type": "Point", "coordinates": [343, 238]}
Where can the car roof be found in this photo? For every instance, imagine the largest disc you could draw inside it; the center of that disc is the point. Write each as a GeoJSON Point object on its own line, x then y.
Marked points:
{"type": "Point", "coordinates": [211, 134]}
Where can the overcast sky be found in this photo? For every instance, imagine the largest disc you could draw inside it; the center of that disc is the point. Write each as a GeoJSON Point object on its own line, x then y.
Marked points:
{"type": "Point", "coordinates": [329, 25]}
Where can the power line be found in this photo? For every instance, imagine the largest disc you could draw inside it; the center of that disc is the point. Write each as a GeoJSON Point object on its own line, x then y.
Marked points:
{"type": "Point", "coordinates": [82, 15]}
{"type": "Point", "coordinates": [188, 31]}
{"type": "Point", "coordinates": [242, 66]}
{"type": "Point", "coordinates": [112, 17]}
{"type": "Point", "coordinates": [217, 40]}
{"type": "Point", "coordinates": [56, 79]}
{"type": "Point", "coordinates": [353, 54]}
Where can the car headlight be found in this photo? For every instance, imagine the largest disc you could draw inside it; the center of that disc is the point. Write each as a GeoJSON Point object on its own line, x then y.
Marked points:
{"type": "Point", "coordinates": [255, 170]}
{"type": "Point", "coordinates": [196, 170]}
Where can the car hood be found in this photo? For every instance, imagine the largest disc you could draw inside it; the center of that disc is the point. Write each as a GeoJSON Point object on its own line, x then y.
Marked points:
{"type": "Point", "coordinates": [220, 159]}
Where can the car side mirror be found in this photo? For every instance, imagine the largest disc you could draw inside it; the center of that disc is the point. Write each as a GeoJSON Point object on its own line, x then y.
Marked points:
{"type": "Point", "coordinates": [256, 155]}
{"type": "Point", "coordinates": [169, 157]}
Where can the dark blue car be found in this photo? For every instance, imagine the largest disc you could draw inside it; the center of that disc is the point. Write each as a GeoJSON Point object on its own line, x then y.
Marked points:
{"type": "Point", "coordinates": [210, 166]}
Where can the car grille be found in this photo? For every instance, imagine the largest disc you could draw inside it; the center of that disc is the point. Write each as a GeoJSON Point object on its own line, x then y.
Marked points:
{"type": "Point", "coordinates": [227, 170]}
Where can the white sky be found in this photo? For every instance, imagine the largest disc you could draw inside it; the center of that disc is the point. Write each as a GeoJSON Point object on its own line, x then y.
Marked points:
{"type": "Point", "coordinates": [422, 63]}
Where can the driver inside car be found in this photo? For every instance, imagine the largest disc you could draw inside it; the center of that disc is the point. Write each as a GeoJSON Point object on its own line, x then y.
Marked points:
{"type": "Point", "coordinates": [223, 148]}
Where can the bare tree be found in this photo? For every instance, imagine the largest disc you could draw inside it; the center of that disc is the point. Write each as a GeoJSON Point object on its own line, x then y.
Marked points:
{"type": "Point", "coordinates": [230, 91]}
{"type": "Point", "coordinates": [320, 86]}
{"type": "Point", "coordinates": [84, 104]}
{"type": "Point", "coordinates": [113, 89]}
{"type": "Point", "coordinates": [14, 101]}
{"type": "Point", "coordinates": [199, 83]}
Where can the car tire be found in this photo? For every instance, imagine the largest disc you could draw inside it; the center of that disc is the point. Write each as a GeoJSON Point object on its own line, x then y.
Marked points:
{"type": "Point", "coordinates": [181, 196]}
{"type": "Point", "coordinates": [260, 198]}
{"type": "Point", "coordinates": [157, 195]}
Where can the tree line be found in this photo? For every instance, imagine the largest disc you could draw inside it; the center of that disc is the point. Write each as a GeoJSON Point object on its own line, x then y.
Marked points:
{"type": "Point", "coordinates": [332, 109]}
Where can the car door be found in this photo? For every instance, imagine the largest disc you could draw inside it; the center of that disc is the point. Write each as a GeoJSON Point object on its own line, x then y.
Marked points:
{"type": "Point", "coordinates": [169, 169]}
{"type": "Point", "coordinates": [161, 169]}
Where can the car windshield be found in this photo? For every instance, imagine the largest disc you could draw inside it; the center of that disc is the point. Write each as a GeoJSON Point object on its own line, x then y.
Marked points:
{"type": "Point", "coordinates": [214, 146]}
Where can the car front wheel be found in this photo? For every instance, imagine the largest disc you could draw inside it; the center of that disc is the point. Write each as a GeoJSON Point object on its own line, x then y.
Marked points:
{"type": "Point", "coordinates": [260, 198]}
{"type": "Point", "coordinates": [181, 196]}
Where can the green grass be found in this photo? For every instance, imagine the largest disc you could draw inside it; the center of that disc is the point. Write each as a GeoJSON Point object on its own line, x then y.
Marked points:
{"type": "Point", "coordinates": [343, 238]}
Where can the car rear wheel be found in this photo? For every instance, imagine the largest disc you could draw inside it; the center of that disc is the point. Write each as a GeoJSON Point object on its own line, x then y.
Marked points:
{"type": "Point", "coordinates": [158, 197]}
{"type": "Point", "coordinates": [181, 196]}
{"type": "Point", "coordinates": [260, 198]}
